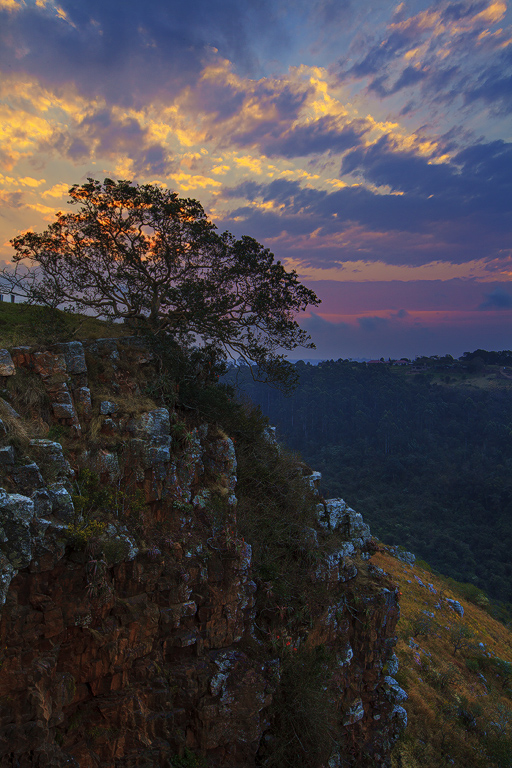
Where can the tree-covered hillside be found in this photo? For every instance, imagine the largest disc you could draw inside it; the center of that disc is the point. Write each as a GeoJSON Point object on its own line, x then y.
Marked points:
{"type": "Point", "coordinates": [425, 456]}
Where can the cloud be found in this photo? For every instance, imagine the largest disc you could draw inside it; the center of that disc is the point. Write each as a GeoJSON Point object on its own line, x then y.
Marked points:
{"type": "Point", "coordinates": [371, 324]}
{"type": "Point", "coordinates": [497, 299]}
{"type": "Point", "coordinates": [451, 53]}
{"type": "Point", "coordinates": [454, 211]}
{"type": "Point", "coordinates": [451, 333]}
{"type": "Point", "coordinates": [316, 137]}
{"type": "Point", "coordinates": [104, 134]}
{"type": "Point", "coordinates": [129, 52]}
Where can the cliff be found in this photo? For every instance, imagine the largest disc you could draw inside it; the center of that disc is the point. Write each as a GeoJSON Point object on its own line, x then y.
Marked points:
{"type": "Point", "coordinates": [157, 613]}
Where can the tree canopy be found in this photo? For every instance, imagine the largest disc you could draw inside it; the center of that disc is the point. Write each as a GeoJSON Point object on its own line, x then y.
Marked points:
{"type": "Point", "coordinates": [142, 255]}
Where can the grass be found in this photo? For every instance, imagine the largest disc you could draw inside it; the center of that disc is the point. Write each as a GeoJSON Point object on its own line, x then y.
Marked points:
{"type": "Point", "coordinates": [455, 717]}
{"type": "Point", "coordinates": [25, 325]}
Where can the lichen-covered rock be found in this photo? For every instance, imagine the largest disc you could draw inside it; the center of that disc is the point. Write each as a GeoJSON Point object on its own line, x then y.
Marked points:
{"type": "Point", "coordinates": [48, 364]}
{"type": "Point", "coordinates": [455, 606]}
{"type": "Point", "coordinates": [394, 692]}
{"type": "Point", "coordinates": [16, 514]}
{"type": "Point", "coordinates": [74, 356]}
{"type": "Point", "coordinates": [27, 478]}
{"type": "Point", "coordinates": [103, 348]}
{"type": "Point", "coordinates": [337, 516]}
{"type": "Point", "coordinates": [49, 454]}
{"type": "Point", "coordinates": [62, 503]}
{"type": "Point", "coordinates": [83, 402]}
{"type": "Point", "coordinates": [107, 408]}
{"type": "Point", "coordinates": [354, 713]}
{"type": "Point", "coordinates": [7, 573]}
{"type": "Point", "coordinates": [6, 364]}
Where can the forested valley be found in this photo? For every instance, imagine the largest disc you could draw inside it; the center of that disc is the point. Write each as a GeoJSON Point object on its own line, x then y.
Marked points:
{"type": "Point", "coordinates": [423, 451]}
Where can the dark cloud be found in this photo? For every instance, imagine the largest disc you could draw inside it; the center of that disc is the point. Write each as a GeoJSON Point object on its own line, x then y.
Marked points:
{"type": "Point", "coordinates": [451, 212]}
{"type": "Point", "coordinates": [479, 179]}
{"type": "Point", "coordinates": [494, 86]}
{"type": "Point", "coordinates": [383, 164]}
{"type": "Point", "coordinates": [458, 11]}
{"type": "Point", "coordinates": [497, 299]}
{"type": "Point", "coordinates": [130, 51]}
{"type": "Point", "coordinates": [371, 324]}
{"type": "Point", "coordinates": [316, 137]}
{"type": "Point", "coordinates": [219, 99]}
{"type": "Point", "coordinates": [102, 134]}
{"type": "Point", "coordinates": [11, 199]}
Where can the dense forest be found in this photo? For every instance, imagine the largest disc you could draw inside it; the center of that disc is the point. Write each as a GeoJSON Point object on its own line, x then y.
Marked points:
{"type": "Point", "coordinates": [423, 451]}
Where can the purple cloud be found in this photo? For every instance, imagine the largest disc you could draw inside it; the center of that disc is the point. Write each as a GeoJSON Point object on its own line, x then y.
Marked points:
{"type": "Point", "coordinates": [497, 299]}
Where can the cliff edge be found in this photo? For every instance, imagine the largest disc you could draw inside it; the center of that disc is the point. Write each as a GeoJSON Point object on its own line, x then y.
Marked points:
{"type": "Point", "coordinates": [171, 597]}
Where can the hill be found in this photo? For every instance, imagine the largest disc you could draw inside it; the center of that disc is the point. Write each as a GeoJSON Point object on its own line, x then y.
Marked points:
{"type": "Point", "coordinates": [456, 667]}
{"type": "Point", "coordinates": [26, 324]}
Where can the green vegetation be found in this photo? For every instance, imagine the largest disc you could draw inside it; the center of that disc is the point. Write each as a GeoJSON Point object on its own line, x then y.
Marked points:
{"type": "Point", "coordinates": [188, 760]}
{"type": "Point", "coordinates": [23, 324]}
{"type": "Point", "coordinates": [428, 464]}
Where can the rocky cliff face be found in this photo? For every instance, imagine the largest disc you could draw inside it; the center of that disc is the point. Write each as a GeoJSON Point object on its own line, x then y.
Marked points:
{"type": "Point", "coordinates": [136, 629]}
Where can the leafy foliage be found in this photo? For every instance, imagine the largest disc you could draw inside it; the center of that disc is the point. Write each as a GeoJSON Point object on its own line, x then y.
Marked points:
{"type": "Point", "coordinates": [142, 255]}
{"type": "Point", "coordinates": [428, 465]}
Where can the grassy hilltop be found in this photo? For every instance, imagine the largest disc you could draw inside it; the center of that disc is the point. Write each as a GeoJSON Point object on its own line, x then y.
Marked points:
{"type": "Point", "coordinates": [22, 324]}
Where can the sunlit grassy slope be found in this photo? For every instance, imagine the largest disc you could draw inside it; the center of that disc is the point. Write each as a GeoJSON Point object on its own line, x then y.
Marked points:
{"type": "Point", "coordinates": [457, 672]}
{"type": "Point", "coordinates": [21, 324]}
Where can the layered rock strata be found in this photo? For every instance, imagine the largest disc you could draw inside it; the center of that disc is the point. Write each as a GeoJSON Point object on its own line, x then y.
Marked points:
{"type": "Point", "coordinates": [132, 642]}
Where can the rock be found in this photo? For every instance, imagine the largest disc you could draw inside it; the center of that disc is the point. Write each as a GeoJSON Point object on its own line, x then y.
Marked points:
{"type": "Point", "coordinates": [115, 656]}
{"type": "Point", "coordinates": [8, 410]}
{"type": "Point", "coordinates": [83, 403]}
{"type": "Point", "coordinates": [336, 516]}
{"type": "Point", "coordinates": [16, 514]}
{"type": "Point", "coordinates": [393, 691]}
{"type": "Point", "coordinates": [62, 503]}
{"type": "Point", "coordinates": [402, 554]}
{"type": "Point", "coordinates": [313, 481]}
{"type": "Point", "coordinates": [42, 502]}
{"type": "Point", "coordinates": [74, 357]}
{"type": "Point", "coordinates": [103, 463]}
{"type": "Point", "coordinates": [7, 574]}
{"type": "Point", "coordinates": [27, 478]}
{"type": "Point", "coordinates": [49, 365]}
{"type": "Point", "coordinates": [455, 606]}
{"type": "Point", "coordinates": [7, 456]}
{"type": "Point", "coordinates": [107, 408]}
{"type": "Point", "coordinates": [103, 348]}
{"type": "Point", "coordinates": [354, 713]}
{"type": "Point", "coordinates": [392, 664]}
{"type": "Point", "coordinates": [51, 458]}
{"type": "Point", "coordinates": [401, 715]}
{"type": "Point", "coordinates": [6, 364]}
{"type": "Point", "coordinates": [153, 425]}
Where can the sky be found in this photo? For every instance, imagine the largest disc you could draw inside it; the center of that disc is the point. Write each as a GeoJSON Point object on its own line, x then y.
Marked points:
{"type": "Point", "coordinates": [367, 144]}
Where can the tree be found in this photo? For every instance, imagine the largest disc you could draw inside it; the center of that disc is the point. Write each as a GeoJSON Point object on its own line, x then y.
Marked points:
{"type": "Point", "coordinates": [144, 256]}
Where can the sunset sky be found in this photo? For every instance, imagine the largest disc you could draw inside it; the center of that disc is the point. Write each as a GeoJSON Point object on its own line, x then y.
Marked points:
{"type": "Point", "coordinates": [366, 143]}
